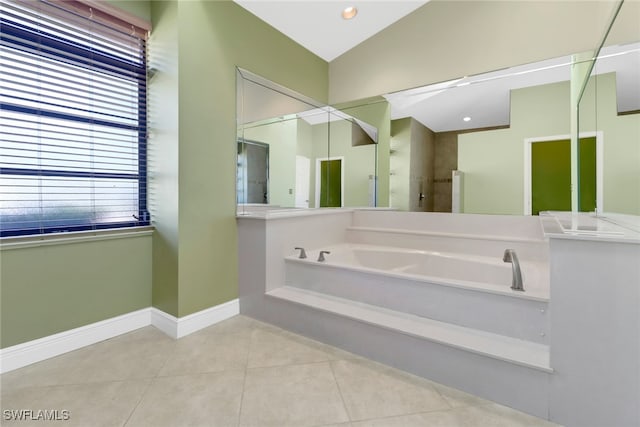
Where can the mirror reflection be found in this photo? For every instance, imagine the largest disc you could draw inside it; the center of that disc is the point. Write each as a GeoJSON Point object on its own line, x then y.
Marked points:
{"type": "Point", "coordinates": [609, 113]}
{"type": "Point", "coordinates": [296, 152]}
{"type": "Point", "coordinates": [497, 143]}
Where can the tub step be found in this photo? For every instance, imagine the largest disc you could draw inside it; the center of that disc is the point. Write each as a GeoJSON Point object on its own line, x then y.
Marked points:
{"type": "Point", "coordinates": [519, 352]}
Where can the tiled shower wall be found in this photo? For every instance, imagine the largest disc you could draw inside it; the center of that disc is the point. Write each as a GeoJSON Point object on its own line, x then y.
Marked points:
{"type": "Point", "coordinates": [446, 160]}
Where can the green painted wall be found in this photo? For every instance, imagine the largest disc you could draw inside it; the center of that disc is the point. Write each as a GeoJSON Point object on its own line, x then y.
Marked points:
{"type": "Point", "coordinates": [212, 38]}
{"type": "Point", "coordinates": [281, 136]}
{"type": "Point", "coordinates": [359, 163]}
{"type": "Point", "coordinates": [493, 161]}
{"type": "Point", "coordinates": [377, 113]}
{"type": "Point", "coordinates": [621, 146]}
{"type": "Point", "coordinates": [163, 154]}
{"type": "Point", "coordinates": [444, 40]}
{"type": "Point", "coordinates": [399, 161]}
{"type": "Point", "coordinates": [49, 289]}
{"type": "Point", "coordinates": [139, 8]}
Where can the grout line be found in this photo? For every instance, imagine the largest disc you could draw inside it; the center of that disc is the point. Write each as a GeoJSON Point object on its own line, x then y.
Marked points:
{"type": "Point", "coordinates": [120, 380]}
{"type": "Point", "coordinates": [344, 404]}
{"type": "Point", "coordinates": [244, 379]}
{"type": "Point", "coordinates": [142, 395]}
{"type": "Point", "coordinates": [408, 414]}
{"type": "Point", "coordinates": [317, 362]}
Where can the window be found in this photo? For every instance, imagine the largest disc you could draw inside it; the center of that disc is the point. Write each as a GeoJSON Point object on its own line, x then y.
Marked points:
{"type": "Point", "coordinates": [73, 124]}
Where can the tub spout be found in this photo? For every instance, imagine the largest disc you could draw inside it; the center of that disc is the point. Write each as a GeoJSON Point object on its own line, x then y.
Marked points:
{"type": "Point", "coordinates": [321, 257]}
{"type": "Point", "coordinates": [510, 256]}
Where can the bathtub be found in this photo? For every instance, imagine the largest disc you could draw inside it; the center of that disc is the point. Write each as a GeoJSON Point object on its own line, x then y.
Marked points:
{"type": "Point", "coordinates": [474, 272]}
{"type": "Point", "coordinates": [464, 289]}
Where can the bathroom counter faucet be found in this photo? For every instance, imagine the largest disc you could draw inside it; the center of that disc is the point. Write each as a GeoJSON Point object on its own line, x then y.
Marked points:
{"type": "Point", "coordinates": [303, 253]}
{"type": "Point", "coordinates": [510, 256]}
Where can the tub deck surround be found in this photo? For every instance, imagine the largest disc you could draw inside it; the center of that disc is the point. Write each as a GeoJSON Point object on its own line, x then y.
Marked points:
{"type": "Point", "coordinates": [606, 227]}
{"type": "Point", "coordinates": [500, 347]}
{"type": "Point", "coordinates": [595, 340]}
{"type": "Point", "coordinates": [476, 295]}
{"type": "Point", "coordinates": [431, 284]}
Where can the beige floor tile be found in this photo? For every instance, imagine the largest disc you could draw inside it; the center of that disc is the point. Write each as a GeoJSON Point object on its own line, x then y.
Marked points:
{"type": "Point", "coordinates": [96, 404]}
{"type": "Point", "coordinates": [335, 425]}
{"type": "Point", "coordinates": [371, 390]}
{"type": "Point", "coordinates": [269, 348]}
{"type": "Point", "coordinates": [55, 371]}
{"type": "Point", "coordinates": [191, 400]}
{"type": "Point", "coordinates": [235, 325]}
{"type": "Point", "coordinates": [200, 380]}
{"type": "Point", "coordinates": [484, 416]}
{"type": "Point", "coordinates": [135, 355]}
{"type": "Point", "coordinates": [140, 354]}
{"type": "Point", "coordinates": [201, 353]}
{"type": "Point", "coordinates": [457, 398]}
{"type": "Point", "coordinates": [429, 419]}
{"type": "Point", "coordinates": [298, 395]}
{"type": "Point", "coordinates": [491, 415]}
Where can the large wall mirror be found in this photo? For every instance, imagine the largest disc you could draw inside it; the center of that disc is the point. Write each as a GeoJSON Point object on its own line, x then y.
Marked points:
{"type": "Point", "coordinates": [609, 126]}
{"type": "Point", "coordinates": [294, 152]}
{"type": "Point", "coordinates": [495, 143]}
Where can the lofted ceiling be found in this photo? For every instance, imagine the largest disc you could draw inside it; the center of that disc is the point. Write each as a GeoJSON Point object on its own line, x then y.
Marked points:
{"type": "Point", "coordinates": [319, 26]}
{"type": "Point", "coordinates": [485, 99]}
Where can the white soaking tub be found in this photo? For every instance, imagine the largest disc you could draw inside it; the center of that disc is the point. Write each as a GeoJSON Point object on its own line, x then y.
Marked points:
{"type": "Point", "coordinates": [464, 289]}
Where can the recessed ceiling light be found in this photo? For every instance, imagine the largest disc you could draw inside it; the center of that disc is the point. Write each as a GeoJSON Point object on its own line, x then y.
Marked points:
{"type": "Point", "coordinates": [349, 12]}
{"type": "Point", "coordinates": [466, 119]}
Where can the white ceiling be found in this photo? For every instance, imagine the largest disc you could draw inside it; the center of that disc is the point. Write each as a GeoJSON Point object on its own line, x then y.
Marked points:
{"type": "Point", "coordinates": [319, 26]}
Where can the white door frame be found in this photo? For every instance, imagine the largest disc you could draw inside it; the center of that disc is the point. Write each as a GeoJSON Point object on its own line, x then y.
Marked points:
{"type": "Point", "coordinates": [599, 166]}
{"type": "Point", "coordinates": [318, 161]}
{"type": "Point", "coordinates": [302, 185]}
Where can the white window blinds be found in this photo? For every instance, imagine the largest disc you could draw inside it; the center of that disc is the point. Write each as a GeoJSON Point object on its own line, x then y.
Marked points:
{"type": "Point", "coordinates": [73, 123]}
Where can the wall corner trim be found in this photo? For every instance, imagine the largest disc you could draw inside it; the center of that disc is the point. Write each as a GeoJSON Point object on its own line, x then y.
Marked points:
{"type": "Point", "coordinates": [178, 327]}
{"type": "Point", "coordinates": [24, 354]}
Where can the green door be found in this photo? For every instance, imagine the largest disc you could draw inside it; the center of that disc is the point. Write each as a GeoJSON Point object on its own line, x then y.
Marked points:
{"type": "Point", "coordinates": [587, 193]}
{"type": "Point", "coordinates": [551, 176]}
{"type": "Point", "coordinates": [330, 183]}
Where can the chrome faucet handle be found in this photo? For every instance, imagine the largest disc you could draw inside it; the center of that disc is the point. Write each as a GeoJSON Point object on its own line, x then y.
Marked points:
{"type": "Point", "coordinates": [321, 256]}
{"type": "Point", "coordinates": [303, 254]}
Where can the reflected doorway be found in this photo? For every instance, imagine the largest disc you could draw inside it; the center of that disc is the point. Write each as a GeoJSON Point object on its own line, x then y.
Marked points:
{"type": "Point", "coordinates": [303, 175]}
{"type": "Point", "coordinates": [253, 166]}
{"type": "Point", "coordinates": [330, 182]}
{"type": "Point", "coordinates": [549, 174]}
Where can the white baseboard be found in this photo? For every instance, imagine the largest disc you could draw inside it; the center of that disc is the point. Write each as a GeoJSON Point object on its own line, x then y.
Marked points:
{"type": "Point", "coordinates": [24, 354]}
{"type": "Point", "coordinates": [179, 327]}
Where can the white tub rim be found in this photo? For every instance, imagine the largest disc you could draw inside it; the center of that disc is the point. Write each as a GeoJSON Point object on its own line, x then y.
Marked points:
{"type": "Point", "coordinates": [534, 294]}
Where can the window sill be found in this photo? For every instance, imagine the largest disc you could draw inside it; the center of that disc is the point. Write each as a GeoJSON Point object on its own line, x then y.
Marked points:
{"type": "Point", "coordinates": [21, 242]}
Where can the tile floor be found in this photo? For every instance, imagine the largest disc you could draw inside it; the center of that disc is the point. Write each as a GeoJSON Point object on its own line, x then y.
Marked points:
{"type": "Point", "coordinates": [239, 372]}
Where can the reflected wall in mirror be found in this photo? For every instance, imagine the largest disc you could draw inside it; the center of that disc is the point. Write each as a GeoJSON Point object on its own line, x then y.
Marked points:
{"type": "Point", "coordinates": [505, 137]}
{"type": "Point", "coordinates": [474, 134]}
{"type": "Point", "coordinates": [296, 152]}
{"type": "Point", "coordinates": [610, 108]}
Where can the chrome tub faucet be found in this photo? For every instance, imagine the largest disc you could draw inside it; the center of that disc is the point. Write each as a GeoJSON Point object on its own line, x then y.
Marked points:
{"type": "Point", "coordinates": [303, 254]}
{"type": "Point", "coordinates": [510, 256]}
{"type": "Point", "coordinates": [321, 256]}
